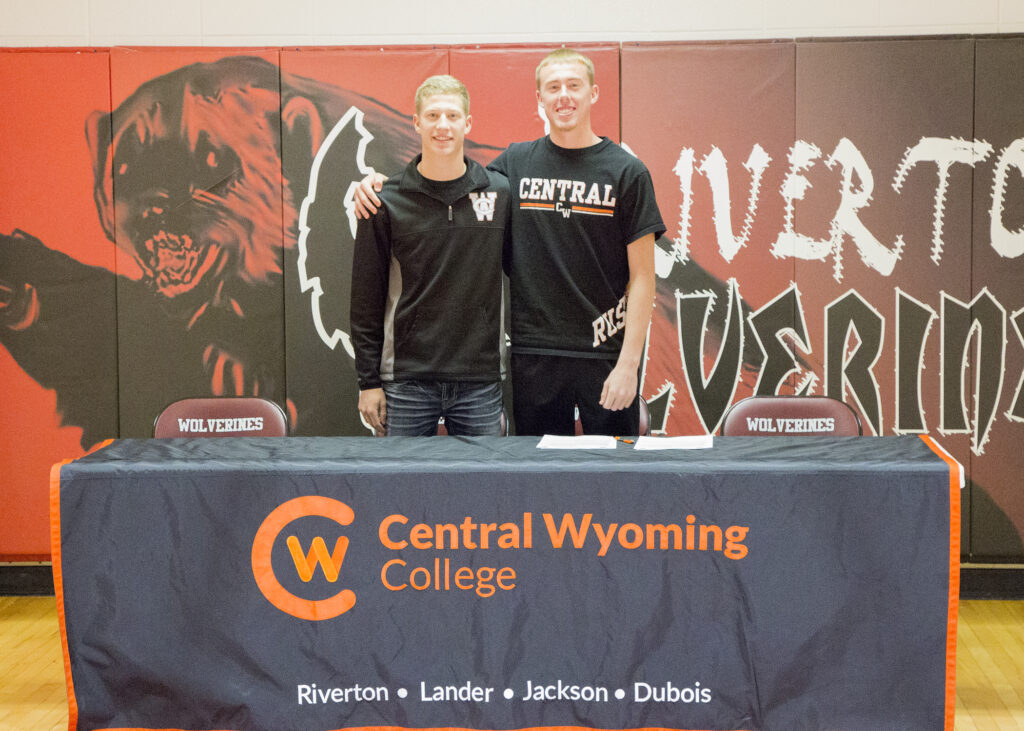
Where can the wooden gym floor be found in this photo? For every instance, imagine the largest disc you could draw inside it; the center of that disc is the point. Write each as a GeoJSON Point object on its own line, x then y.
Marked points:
{"type": "Point", "coordinates": [989, 685]}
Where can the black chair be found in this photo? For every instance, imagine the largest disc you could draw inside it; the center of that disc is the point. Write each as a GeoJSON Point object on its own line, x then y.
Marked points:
{"type": "Point", "coordinates": [232, 416]}
{"type": "Point", "coordinates": [779, 416]}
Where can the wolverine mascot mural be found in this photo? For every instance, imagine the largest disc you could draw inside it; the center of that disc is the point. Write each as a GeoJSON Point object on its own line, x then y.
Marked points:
{"type": "Point", "coordinates": [229, 185]}
{"type": "Point", "coordinates": [200, 176]}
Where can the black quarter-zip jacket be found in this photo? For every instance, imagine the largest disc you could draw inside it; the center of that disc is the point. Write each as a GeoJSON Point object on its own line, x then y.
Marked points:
{"type": "Point", "coordinates": [427, 278]}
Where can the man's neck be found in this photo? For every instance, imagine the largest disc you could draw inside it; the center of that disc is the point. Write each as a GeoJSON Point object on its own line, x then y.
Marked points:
{"type": "Point", "coordinates": [448, 167]}
{"type": "Point", "coordinates": [575, 138]}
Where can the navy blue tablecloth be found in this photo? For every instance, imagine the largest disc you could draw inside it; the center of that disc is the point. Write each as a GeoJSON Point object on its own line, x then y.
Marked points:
{"type": "Point", "coordinates": [310, 584]}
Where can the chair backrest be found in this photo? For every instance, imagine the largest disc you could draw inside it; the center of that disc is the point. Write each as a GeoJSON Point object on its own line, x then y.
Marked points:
{"type": "Point", "coordinates": [645, 420]}
{"type": "Point", "coordinates": [234, 416]}
{"type": "Point", "coordinates": [781, 416]}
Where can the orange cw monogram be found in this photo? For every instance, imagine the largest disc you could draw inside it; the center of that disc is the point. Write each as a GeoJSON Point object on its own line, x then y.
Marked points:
{"type": "Point", "coordinates": [305, 564]}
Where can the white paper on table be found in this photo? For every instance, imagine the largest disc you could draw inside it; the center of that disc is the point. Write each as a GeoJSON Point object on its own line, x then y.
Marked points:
{"type": "Point", "coordinates": [701, 441]}
{"type": "Point", "coordinates": [586, 441]}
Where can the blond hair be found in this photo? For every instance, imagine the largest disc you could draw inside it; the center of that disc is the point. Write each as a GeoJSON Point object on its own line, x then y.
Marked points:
{"type": "Point", "coordinates": [566, 55]}
{"type": "Point", "coordinates": [442, 84]}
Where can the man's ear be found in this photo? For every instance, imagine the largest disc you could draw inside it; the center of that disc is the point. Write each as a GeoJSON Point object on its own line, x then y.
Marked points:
{"type": "Point", "coordinates": [593, 93]}
{"type": "Point", "coordinates": [469, 123]}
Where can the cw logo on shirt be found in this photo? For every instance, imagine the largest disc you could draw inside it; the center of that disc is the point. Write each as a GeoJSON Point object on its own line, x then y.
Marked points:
{"type": "Point", "coordinates": [483, 205]}
{"type": "Point", "coordinates": [305, 562]}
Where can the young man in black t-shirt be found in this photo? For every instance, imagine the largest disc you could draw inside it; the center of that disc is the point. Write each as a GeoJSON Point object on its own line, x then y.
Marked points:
{"type": "Point", "coordinates": [581, 263]}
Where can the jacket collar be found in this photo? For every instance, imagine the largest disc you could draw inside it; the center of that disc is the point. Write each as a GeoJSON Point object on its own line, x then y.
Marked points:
{"type": "Point", "coordinates": [413, 181]}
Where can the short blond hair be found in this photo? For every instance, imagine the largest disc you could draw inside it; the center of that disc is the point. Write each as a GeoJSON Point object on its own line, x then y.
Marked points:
{"type": "Point", "coordinates": [442, 84]}
{"type": "Point", "coordinates": [566, 55]}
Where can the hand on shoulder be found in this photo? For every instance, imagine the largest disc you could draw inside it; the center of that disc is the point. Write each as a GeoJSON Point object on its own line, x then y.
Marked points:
{"type": "Point", "coordinates": [365, 198]}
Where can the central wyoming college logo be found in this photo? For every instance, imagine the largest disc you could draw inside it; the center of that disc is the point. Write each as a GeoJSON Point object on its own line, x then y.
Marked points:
{"type": "Point", "coordinates": [305, 563]}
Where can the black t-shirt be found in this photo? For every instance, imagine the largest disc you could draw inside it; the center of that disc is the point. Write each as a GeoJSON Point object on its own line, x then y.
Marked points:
{"type": "Point", "coordinates": [446, 191]}
{"type": "Point", "coordinates": [574, 212]}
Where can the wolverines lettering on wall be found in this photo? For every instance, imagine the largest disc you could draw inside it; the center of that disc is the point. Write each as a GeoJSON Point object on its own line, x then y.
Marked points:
{"type": "Point", "coordinates": [849, 365]}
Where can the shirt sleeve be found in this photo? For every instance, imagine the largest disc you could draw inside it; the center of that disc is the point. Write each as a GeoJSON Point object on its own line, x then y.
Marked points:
{"type": "Point", "coordinates": [500, 163]}
{"type": "Point", "coordinates": [370, 264]}
{"type": "Point", "coordinates": [642, 214]}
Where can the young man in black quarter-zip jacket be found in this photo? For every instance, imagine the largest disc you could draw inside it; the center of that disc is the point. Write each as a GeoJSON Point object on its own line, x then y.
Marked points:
{"type": "Point", "coordinates": [426, 319]}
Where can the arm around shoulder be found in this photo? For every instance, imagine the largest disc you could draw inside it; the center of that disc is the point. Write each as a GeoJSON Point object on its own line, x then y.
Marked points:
{"type": "Point", "coordinates": [365, 196]}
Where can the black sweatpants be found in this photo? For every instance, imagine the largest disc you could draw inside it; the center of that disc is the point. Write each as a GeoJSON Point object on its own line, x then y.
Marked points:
{"type": "Point", "coordinates": [546, 388]}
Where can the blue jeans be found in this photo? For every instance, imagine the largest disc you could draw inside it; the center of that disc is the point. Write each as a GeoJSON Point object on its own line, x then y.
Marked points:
{"type": "Point", "coordinates": [469, 408]}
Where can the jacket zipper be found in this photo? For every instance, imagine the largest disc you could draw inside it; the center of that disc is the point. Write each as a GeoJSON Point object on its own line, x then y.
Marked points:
{"type": "Point", "coordinates": [449, 214]}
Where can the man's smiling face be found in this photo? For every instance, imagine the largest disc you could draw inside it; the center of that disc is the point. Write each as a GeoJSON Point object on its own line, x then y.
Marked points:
{"type": "Point", "coordinates": [566, 95]}
{"type": "Point", "coordinates": [442, 124]}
